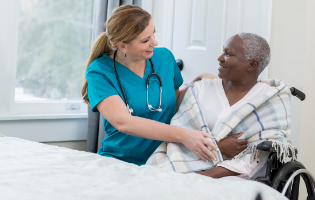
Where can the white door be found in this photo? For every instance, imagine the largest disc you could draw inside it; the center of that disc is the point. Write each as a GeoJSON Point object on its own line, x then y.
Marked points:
{"type": "Point", "coordinates": [201, 27]}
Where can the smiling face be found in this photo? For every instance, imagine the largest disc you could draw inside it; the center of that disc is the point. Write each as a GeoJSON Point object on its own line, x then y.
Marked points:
{"type": "Point", "coordinates": [142, 46]}
{"type": "Point", "coordinates": [233, 66]}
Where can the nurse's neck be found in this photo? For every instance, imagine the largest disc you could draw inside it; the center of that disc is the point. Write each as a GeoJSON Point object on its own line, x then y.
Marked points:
{"type": "Point", "coordinates": [136, 66]}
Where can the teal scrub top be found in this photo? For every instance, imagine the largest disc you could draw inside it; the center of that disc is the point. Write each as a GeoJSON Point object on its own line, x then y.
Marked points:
{"type": "Point", "coordinates": [102, 83]}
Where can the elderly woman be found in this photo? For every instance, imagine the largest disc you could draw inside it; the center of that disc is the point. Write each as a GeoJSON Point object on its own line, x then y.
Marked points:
{"type": "Point", "coordinates": [244, 57]}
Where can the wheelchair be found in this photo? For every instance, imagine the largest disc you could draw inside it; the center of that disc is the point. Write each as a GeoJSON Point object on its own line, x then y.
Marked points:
{"type": "Point", "coordinates": [286, 177]}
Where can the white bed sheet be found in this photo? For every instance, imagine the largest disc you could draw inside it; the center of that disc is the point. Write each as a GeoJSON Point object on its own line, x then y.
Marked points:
{"type": "Point", "coordinates": [31, 170]}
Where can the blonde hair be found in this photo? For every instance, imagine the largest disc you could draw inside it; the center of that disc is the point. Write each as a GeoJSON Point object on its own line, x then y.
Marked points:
{"type": "Point", "coordinates": [124, 24]}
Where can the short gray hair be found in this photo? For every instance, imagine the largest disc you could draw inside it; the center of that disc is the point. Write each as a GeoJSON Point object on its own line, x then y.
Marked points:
{"type": "Point", "coordinates": [256, 48]}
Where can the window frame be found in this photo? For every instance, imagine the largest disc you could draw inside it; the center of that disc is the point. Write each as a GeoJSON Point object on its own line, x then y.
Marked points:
{"type": "Point", "coordinates": [9, 109]}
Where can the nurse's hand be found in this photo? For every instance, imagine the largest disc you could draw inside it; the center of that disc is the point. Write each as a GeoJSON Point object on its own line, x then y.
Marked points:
{"type": "Point", "coordinates": [197, 142]}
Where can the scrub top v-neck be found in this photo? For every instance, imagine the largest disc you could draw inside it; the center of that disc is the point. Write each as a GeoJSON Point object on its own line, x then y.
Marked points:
{"type": "Point", "coordinates": [102, 83]}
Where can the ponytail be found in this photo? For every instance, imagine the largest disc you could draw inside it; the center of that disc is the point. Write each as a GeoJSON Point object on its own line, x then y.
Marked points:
{"type": "Point", "coordinates": [101, 45]}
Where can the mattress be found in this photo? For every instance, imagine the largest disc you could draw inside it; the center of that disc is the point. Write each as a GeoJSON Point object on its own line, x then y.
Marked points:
{"type": "Point", "coordinates": [31, 170]}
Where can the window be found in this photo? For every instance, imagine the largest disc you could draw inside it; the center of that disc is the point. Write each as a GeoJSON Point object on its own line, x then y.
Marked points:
{"type": "Point", "coordinates": [52, 43]}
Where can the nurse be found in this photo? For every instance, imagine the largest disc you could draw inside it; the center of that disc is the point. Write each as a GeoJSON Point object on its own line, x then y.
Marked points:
{"type": "Point", "coordinates": [134, 137]}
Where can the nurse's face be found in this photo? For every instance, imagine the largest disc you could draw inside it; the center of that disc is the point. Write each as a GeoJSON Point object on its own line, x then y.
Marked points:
{"type": "Point", "coordinates": [233, 65]}
{"type": "Point", "coordinates": [142, 46]}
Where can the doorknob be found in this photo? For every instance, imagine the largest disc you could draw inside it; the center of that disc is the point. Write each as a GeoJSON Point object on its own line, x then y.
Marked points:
{"type": "Point", "coordinates": [180, 64]}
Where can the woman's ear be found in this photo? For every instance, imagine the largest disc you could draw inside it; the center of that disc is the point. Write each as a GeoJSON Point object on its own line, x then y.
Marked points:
{"type": "Point", "coordinates": [122, 46]}
{"type": "Point", "coordinates": [253, 66]}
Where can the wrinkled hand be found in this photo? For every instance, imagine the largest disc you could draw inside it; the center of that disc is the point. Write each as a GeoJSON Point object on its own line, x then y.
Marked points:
{"type": "Point", "coordinates": [197, 142]}
{"type": "Point", "coordinates": [231, 146]}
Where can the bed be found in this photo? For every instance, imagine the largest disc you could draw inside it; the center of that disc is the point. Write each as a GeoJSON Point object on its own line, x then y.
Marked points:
{"type": "Point", "coordinates": [31, 170]}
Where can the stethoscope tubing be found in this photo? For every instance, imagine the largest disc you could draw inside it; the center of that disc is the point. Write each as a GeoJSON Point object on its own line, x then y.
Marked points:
{"type": "Point", "coordinates": [121, 87]}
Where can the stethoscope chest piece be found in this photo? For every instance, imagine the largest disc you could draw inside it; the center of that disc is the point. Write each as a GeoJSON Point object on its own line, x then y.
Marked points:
{"type": "Point", "coordinates": [130, 110]}
{"type": "Point", "coordinates": [159, 109]}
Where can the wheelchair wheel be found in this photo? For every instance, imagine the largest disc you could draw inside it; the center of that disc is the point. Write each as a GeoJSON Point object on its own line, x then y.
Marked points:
{"type": "Point", "coordinates": [284, 174]}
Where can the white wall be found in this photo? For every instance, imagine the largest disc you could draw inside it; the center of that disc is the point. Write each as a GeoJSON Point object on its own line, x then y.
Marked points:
{"type": "Point", "coordinates": [45, 130]}
{"type": "Point", "coordinates": [76, 145]}
{"type": "Point", "coordinates": [292, 45]}
{"type": "Point", "coordinates": [307, 125]}
{"type": "Point", "coordinates": [70, 133]}
{"type": "Point", "coordinates": [287, 44]}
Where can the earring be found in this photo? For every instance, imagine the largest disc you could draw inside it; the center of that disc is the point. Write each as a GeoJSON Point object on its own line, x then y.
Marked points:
{"type": "Point", "coordinates": [125, 54]}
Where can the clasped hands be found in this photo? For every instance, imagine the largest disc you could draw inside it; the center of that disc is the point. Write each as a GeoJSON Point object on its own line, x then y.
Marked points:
{"type": "Point", "coordinates": [232, 146]}
{"type": "Point", "coordinates": [198, 142]}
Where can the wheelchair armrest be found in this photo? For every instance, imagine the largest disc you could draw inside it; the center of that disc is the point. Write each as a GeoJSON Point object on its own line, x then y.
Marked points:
{"type": "Point", "coordinates": [267, 146]}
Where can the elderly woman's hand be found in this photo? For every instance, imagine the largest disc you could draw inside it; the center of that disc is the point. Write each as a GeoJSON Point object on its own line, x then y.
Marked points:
{"type": "Point", "coordinates": [231, 146]}
{"type": "Point", "coordinates": [197, 142]}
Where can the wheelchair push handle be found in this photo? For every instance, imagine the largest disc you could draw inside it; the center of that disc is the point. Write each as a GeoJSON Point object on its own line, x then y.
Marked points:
{"type": "Point", "coordinates": [299, 94]}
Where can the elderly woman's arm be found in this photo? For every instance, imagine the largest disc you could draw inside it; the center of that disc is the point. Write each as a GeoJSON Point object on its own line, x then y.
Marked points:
{"type": "Point", "coordinates": [232, 146]}
{"type": "Point", "coordinates": [218, 172]}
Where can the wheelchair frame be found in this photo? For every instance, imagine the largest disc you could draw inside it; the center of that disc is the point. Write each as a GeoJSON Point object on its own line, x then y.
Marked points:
{"type": "Point", "coordinates": [285, 178]}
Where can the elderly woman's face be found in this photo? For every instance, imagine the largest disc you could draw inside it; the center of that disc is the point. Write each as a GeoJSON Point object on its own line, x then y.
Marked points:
{"type": "Point", "coordinates": [232, 61]}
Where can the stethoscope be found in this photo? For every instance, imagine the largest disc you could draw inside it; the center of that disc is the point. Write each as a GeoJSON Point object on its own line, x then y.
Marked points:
{"type": "Point", "coordinates": [148, 81]}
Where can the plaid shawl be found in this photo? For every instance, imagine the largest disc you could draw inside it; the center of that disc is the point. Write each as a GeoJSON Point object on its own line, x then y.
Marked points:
{"type": "Point", "coordinates": [265, 118]}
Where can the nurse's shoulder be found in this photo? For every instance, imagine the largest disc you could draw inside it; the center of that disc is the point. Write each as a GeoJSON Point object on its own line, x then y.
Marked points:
{"type": "Point", "coordinates": [101, 65]}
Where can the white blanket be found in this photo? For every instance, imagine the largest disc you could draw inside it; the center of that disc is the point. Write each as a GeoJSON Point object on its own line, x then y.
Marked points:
{"type": "Point", "coordinates": [31, 170]}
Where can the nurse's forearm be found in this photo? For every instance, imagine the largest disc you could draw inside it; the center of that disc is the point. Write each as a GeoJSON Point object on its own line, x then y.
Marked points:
{"type": "Point", "coordinates": [150, 129]}
{"type": "Point", "coordinates": [192, 139]}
